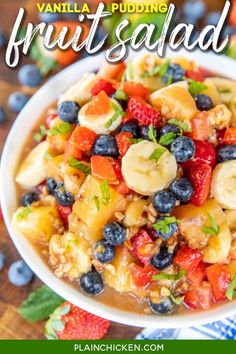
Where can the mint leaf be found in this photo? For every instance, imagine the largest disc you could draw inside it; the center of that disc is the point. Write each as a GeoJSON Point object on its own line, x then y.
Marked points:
{"type": "Point", "coordinates": [170, 79]}
{"type": "Point", "coordinates": [185, 127]}
{"type": "Point", "coordinates": [163, 225]}
{"type": "Point", "coordinates": [214, 229]}
{"type": "Point", "coordinates": [165, 276]}
{"type": "Point", "coordinates": [62, 128]}
{"type": "Point", "coordinates": [230, 292]}
{"type": "Point", "coordinates": [130, 71]}
{"type": "Point", "coordinates": [41, 134]}
{"type": "Point", "coordinates": [196, 87]}
{"type": "Point", "coordinates": [105, 190]}
{"type": "Point", "coordinates": [40, 304]}
{"type": "Point", "coordinates": [135, 141]}
{"type": "Point", "coordinates": [24, 212]}
{"type": "Point", "coordinates": [177, 300]}
{"type": "Point", "coordinates": [152, 72]}
{"type": "Point", "coordinates": [120, 94]}
{"type": "Point", "coordinates": [118, 112]}
{"type": "Point", "coordinates": [164, 67]}
{"type": "Point", "coordinates": [157, 153]}
{"type": "Point", "coordinates": [96, 201]}
{"type": "Point", "coordinates": [152, 134]}
{"type": "Point", "coordinates": [167, 139]}
{"type": "Point", "coordinates": [223, 90]}
{"type": "Point", "coordinates": [79, 165]}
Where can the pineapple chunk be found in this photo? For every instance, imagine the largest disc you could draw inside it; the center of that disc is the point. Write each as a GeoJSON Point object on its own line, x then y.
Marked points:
{"type": "Point", "coordinates": [174, 101]}
{"type": "Point", "coordinates": [134, 214]}
{"type": "Point", "coordinates": [219, 116]}
{"type": "Point", "coordinates": [218, 246]}
{"type": "Point", "coordinates": [77, 226]}
{"type": "Point", "coordinates": [193, 218]}
{"type": "Point", "coordinates": [70, 255]}
{"type": "Point", "coordinates": [231, 219]}
{"type": "Point", "coordinates": [39, 224]}
{"type": "Point", "coordinates": [212, 92]}
{"type": "Point", "coordinates": [93, 208]}
{"type": "Point", "coordinates": [53, 167]}
{"type": "Point", "coordinates": [57, 143]}
{"type": "Point", "coordinates": [232, 268]}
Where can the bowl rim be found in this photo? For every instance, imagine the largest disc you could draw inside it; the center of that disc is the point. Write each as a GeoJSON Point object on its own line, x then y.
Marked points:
{"type": "Point", "coordinates": [27, 251]}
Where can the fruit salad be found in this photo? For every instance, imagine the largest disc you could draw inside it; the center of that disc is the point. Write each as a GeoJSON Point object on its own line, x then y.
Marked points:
{"type": "Point", "coordinates": [130, 185]}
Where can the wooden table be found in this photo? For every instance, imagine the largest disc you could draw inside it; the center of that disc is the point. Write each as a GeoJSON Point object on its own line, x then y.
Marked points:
{"type": "Point", "coordinates": [12, 326]}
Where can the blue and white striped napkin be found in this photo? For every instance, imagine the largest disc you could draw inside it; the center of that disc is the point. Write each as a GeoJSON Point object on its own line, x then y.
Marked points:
{"type": "Point", "coordinates": [225, 329]}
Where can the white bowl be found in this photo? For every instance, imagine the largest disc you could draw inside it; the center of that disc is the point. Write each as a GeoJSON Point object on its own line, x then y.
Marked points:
{"type": "Point", "coordinates": [10, 157]}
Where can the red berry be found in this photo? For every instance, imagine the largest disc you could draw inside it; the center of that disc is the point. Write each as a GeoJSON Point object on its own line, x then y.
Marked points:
{"type": "Point", "coordinates": [199, 175]}
{"type": "Point", "coordinates": [204, 152]}
{"type": "Point", "coordinates": [141, 111]}
{"type": "Point", "coordinates": [142, 246]}
{"type": "Point", "coordinates": [219, 277]}
{"type": "Point", "coordinates": [64, 212]}
{"type": "Point", "coordinates": [75, 324]}
{"type": "Point", "coordinates": [195, 75]}
{"type": "Point", "coordinates": [188, 258]}
{"type": "Point", "coordinates": [123, 140]}
{"type": "Point", "coordinates": [103, 85]}
{"type": "Point", "coordinates": [49, 120]}
{"type": "Point", "coordinates": [83, 138]}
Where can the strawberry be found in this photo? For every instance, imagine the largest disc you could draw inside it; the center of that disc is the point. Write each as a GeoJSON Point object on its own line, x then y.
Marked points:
{"type": "Point", "coordinates": [219, 278]}
{"type": "Point", "coordinates": [199, 297]}
{"type": "Point", "coordinates": [121, 188]}
{"type": "Point", "coordinates": [188, 258]}
{"type": "Point", "coordinates": [200, 127]}
{"type": "Point", "coordinates": [83, 138]}
{"type": "Point", "coordinates": [49, 120]}
{"type": "Point", "coordinates": [72, 323]}
{"type": "Point", "coordinates": [143, 112]}
{"type": "Point", "coordinates": [220, 136]}
{"type": "Point", "coordinates": [102, 167]}
{"type": "Point", "coordinates": [64, 212]}
{"type": "Point", "coordinates": [142, 246]}
{"type": "Point", "coordinates": [195, 75]}
{"type": "Point", "coordinates": [103, 85]}
{"type": "Point", "coordinates": [1, 216]}
{"type": "Point", "coordinates": [204, 152]}
{"type": "Point", "coordinates": [199, 175]}
{"type": "Point", "coordinates": [229, 137]}
{"type": "Point", "coordinates": [197, 275]}
{"type": "Point", "coordinates": [142, 275]}
{"type": "Point", "coordinates": [135, 89]}
{"type": "Point", "coordinates": [123, 142]}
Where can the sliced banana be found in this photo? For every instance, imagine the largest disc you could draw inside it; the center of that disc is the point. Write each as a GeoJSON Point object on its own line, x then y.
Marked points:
{"type": "Point", "coordinates": [80, 92]}
{"type": "Point", "coordinates": [225, 87]}
{"type": "Point", "coordinates": [101, 124]}
{"type": "Point", "coordinates": [137, 68]}
{"type": "Point", "coordinates": [33, 169]}
{"type": "Point", "coordinates": [223, 185]}
{"type": "Point", "coordinates": [175, 101]}
{"type": "Point", "coordinates": [144, 175]}
{"type": "Point", "coordinates": [218, 246]}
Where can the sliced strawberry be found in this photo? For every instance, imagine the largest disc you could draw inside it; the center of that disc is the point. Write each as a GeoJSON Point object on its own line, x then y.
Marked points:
{"type": "Point", "coordinates": [197, 275]}
{"type": "Point", "coordinates": [200, 127]}
{"type": "Point", "coordinates": [188, 258]}
{"type": "Point", "coordinates": [64, 212]}
{"type": "Point", "coordinates": [199, 175]}
{"type": "Point", "coordinates": [219, 278]}
{"type": "Point", "coordinates": [199, 297]}
{"type": "Point", "coordinates": [143, 112]}
{"type": "Point", "coordinates": [229, 137]}
{"type": "Point", "coordinates": [99, 105]}
{"type": "Point", "coordinates": [122, 188]}
{"type": "Point", "coordinates": [102, 167]}
{"type": "Point", "coordinates": [142, 246]}
{"type": "Point", "coordinates": [72, 151]}
{"type": "Point", "coordinates": [83, 138]}
{"type": "Point", "coordinates": [191, 299]}
{"type": "Point", "coordinates": [103, 85]}
{"type": "Point", "coordinates": [204, 152]}
{"type": "Point", "coordinates": [49, 120]}
{"type": "Point", "coordinates": [205, 72]}
{"type": "Point", "coordinates": [220, 135]}
{"type": "Point", "coordinates": [142, 275]}
{"type": "Point", "coordinates": [195, 75]}
{"type": "Point", "coordinates": [135, 89]}
{"type": "Point", "coordinates": [69, 322]}
{"type": "Point", "coordinates": [123, 140]}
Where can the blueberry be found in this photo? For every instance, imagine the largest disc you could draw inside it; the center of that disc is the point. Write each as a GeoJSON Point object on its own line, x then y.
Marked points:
{"type": "Point", "coordinates": [68, 111]}
{"type": "Point", "coordinates": [29, 198]}
{"type": "Point", "coordinates": [2, 115]}
{"type": "Point", "coordinates": [29, 75]}
{"type": "Point", "coordinates": [164, 201]}
{"type": "Point", "coordinates": [92, 282]}
{"type": "Point", "coordinates": [173, 74]}
{"type": "Point", "coordinates": [213, 18]}
{"type": "Point", "coordinates": [169, 128]}
{"type": "Point", "coordinates": [2, 260]}
{"type": "Point", "coordinates": [63, 197]}
{"type": "Point", "coordinates": [114, 233]}
{"type": "Point", "coordinates": [104, 252]}
{"type": "Point", "coordinates": [2, 39]}
{"type": "Point", "coordinates": [131, 127]}
{"type": "Point", "coordinates": [203, 102]}
{"type": "Point", "coordinates": [163, 259]}
{"type": "Point", "coordinates": [19, 273]}
{"type": "Point", "coordinates": [183, 148]}
{"type": "Point", "coordinates": [167, 231]}
{"type": "Point", "coordinates": [49, 17]}
{"type": "Point", "coordinates": [105, 145]}
{"type": "Point", "coordinates": [17, 100]}
{"type": "Point", "coordinates": [194, 10]}
{"type": "Point", "coordinates": [163, 306]}
{"type": "Point", "coordinates": [51, 185]}
{"type": "Point", "coordinates": [182, 189]}
{"type": "Point", "coordinates": [226, 153]}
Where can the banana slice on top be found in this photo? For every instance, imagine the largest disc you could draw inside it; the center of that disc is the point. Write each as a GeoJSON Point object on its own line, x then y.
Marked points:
{"type": "Point", "coordinates": [33, 169]}
{"type": "Point", "coordinates": [225, 87]}
{"type": "Point", "coordinates": [102, 123]}
{"type": "Point", "coordinates": [145, 174]}
{"type": "Point", "coordinates": [223, 185]}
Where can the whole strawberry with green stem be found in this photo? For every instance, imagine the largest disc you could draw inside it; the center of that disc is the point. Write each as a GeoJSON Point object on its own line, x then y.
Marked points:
{"type": "Point", "coordinates": [72, 323]}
